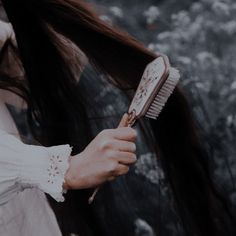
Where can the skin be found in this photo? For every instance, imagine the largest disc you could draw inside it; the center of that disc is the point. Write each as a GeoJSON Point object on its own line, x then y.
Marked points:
{"type": "Point", "coordinates": [108, 156]}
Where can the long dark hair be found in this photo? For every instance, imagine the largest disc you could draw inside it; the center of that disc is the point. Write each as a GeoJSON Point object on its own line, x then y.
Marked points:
{"type": "Point", "coordinates": [56, 111]}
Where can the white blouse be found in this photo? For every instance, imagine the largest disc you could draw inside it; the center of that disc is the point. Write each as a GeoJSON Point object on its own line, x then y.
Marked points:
{"type": "Point", "coordinates": [26, 166]}
{"type": "Point", "coordinates": [26, 173]}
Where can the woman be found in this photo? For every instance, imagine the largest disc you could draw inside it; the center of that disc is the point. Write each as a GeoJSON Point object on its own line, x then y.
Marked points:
{"type": "Point", "coordinates": [47, 32]}
{"type": "Point", "coordinates": [50, 169]}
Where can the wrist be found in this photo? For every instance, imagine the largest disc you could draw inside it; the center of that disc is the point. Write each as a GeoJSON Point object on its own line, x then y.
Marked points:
{"type": "Point", "coordinates": [67, 177]}
{"type": "Point", "coordinates": [71, 180]}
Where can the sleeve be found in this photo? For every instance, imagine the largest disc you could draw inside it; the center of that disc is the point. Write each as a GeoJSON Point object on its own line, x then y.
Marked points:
{"type": "Point", "coordinates": [27, 166]}
{"type": "Point", "coordinates": [6, 33]}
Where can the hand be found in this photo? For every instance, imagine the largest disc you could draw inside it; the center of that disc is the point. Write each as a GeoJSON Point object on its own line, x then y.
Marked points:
{"type": "Point", "coordinates": [109, 155]}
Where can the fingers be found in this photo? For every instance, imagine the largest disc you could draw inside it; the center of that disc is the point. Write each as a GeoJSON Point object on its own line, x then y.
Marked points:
{"type": "Point", "coordinates": [111, 178]}
{"type": "Point", "coordinates": [127, 134]}
{"type": "Point", "coordinates": [124, 121]}
{"type": "Point", "coordinates": [125, 158]}
{"type": "Point", "coordinates": [124, 146]}
{"type": "Point", "coordinates": [121, 170]}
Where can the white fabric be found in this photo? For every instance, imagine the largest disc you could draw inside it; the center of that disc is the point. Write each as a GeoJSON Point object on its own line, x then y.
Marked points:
{"type": "Point", "coordinates": [25, 166]}
{"type": "Point", "coordinates": [6, 33]}
{"type": "Point", "coordinates": [28, 214]}
{"type": "Point", "coordinates": [28, 168]}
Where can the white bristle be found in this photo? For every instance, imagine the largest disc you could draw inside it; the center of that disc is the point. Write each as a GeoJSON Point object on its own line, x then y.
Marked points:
{"type": "Point", "coordinates": [163, 95]}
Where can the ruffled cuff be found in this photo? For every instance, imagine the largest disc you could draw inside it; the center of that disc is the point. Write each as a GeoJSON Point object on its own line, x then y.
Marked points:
{"type": "Point", "coordinates": [45, 168]}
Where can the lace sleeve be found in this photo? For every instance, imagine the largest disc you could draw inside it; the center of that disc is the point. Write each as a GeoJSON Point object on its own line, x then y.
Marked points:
{"type": "Point", "coordinates": [26, 166]}
{"type": "Point", "coordinates": [45, 167]}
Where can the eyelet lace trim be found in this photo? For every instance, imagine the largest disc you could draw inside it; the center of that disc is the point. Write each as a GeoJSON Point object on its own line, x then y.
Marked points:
{"type": "Point", "coordinates": [56, 170]}
{"type": "Point", "coordinates": [53, 170]}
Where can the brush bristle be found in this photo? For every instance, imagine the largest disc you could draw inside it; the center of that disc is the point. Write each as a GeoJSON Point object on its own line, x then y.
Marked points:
{"type": "Point", "coordinates": [164, 93]}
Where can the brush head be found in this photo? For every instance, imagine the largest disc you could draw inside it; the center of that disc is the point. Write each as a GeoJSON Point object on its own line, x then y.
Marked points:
{"type": "Point", "coordinates": [164, 93]}
{"type": "Point", "coordinates": [157, 84]}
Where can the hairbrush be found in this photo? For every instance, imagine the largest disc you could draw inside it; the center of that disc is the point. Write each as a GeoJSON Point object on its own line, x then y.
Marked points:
{"type": "Point", "coordinates": [157, 84]}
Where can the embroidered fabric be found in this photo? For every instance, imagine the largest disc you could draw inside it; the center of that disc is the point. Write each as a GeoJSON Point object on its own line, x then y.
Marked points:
{"type": "Point", "coordinates": [29, 166]}
{"type": "Point", "coordinates": [48, 170]}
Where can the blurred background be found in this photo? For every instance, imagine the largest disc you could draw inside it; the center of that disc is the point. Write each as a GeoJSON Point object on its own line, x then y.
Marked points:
{"type": "Point", "coordinates": [200, 38]}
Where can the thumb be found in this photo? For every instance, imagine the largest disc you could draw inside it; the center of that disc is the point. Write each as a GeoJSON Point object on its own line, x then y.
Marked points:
{"type": "Point", "coordinates": [124, 121]}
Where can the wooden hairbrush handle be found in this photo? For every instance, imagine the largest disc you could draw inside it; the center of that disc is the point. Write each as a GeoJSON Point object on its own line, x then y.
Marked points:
{"type": "Point", "coordinates": [126, 121]}
{"type": "Point", "coordinates": [157, 84]}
